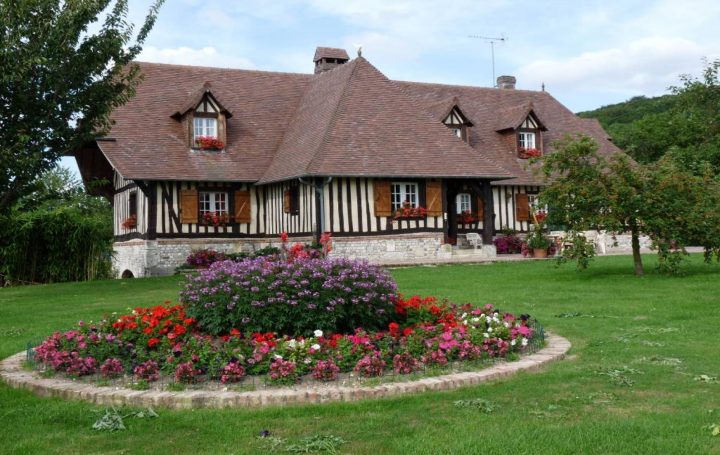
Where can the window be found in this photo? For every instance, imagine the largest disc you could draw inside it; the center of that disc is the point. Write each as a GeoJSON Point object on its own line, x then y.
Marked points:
{"type": "Point", "coordinates": [132, 204]}
{"type": "Point", "coordinates": [458, 132]}
{"type": "Point", "coordinates": [213, 201]}
{"type": "Point", "coordinates": [404, 193]}
{"type": "Point", "coordinates": [534, 203]}
{"type": "Point", "coordinates": [526, 140]}
{"type": "Point", "coordinates": [462, 201]}
{"type": "Point", "coordinates": [205, 126]}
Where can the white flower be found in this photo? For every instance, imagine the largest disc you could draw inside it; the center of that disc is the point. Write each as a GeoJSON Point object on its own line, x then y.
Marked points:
{"type": "Point", "coordinates": [486, 335]}
{"type": "Point", "coordinates": [278, 356]}
{"type": "Point", "coordinates": [318, 333]}
{"type": "Point", "coordinates": [488, 319]}
{"type": "Point", "coordinates": [489, 329]}
{"type": "Point", "coordinates": [506, 324]}
{"type": "Point", "coordinates": [512, 342]}
{"type": "Point", "coordinates": [463, 316]}
{"type": "Point", "coordinates": [307, 360]}
{"type": "Point", "coordinates": [524, 341]}
{"type": "Point", "coordinates": [291, 344]}
{"type": "Point", "coordinates": [315, 347]}
{"type": "Point", "coordinates": [475, 319]}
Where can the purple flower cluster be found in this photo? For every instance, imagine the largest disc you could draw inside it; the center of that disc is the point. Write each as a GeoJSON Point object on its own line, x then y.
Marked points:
{"type": "Point", "coordinates": [147, 371]}
{"type": "Point", "coordinates": [232, 372]}
{"type": "Point", "coordinates": [405, 363]}
{"type": "Point", "coordinates": [370, 365]}
{"type": "Point", "coordinates": [325, 370]}
{"type": "Point", "coordinates": [293, 298]}
{"type": "Point", "coordinates": [283, 371]}
{"type": "Point", "coordinates": [111, 368]}
{"type": "Point", "coordinates": [508, 244]}
{"type": "Point", "coordinates": [186, 373]}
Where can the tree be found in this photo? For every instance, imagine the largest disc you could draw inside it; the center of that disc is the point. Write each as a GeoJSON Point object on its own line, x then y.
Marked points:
{"type": "Point", "coordinates": [59, 82]}
{"type": "Point", "coordinates": [673, 206]}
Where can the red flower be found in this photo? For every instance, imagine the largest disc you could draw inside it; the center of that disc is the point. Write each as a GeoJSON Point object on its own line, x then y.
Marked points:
{"type": "Point", "coordinates": [283, 236]}
{"type": "Point", "coordinates": [407, 331]}
{"type": "Point", "coordinates": [152, 342]}
{"type": "Point", "coordinates": [235, 333]}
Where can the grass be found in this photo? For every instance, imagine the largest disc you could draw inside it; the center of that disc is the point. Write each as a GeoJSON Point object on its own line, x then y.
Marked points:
{"type": "Point", "coordinates": [629, 386]}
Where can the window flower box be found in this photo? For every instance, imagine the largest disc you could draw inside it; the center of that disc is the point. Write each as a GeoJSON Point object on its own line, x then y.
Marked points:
{"type": "Point", "coordinates": [466, 217]}
{"type": "Point", "coordinates": [129, 222]}
{"type": "Point", "coordinates": [214, 218]}
{"type": "Point", "coordinates": [209, 143]}
{"type": "Point", "coordinates": [409, 212]}
{"type": "Point", "coordinates": [529, 153]}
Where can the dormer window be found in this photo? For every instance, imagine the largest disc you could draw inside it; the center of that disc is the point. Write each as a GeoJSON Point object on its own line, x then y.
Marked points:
{"type": "Point", "coordinates": [204, 120]}
{"type": "Point", "coordinates": [526, 140]}
{"type": "Point", "coordinates": [458, 122]}
{"type": "Point", "coordinates": [529, 138]}
{"type": "Point", "coordinates": [205, 126]}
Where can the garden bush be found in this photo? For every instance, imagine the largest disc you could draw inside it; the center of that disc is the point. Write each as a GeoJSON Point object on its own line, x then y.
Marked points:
{"type": "Point", "coordinates": [508, 244]}
{"type": "Point", "coordinates": [290, 297]}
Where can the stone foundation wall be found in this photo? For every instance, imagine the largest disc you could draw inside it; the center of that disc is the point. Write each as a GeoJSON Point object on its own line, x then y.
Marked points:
{"type": "Point", "coordinates": [401, 249]}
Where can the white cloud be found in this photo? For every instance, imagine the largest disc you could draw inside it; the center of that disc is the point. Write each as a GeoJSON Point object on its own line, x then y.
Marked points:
{"type": "Point", "coordinates": [206, 56]}
{"type": "Point", "coordinates": [644, 66]}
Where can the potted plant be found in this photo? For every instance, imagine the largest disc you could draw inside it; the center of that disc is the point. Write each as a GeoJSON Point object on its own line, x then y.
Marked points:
{"type": "Point", "coordinates": [465, 217]}
{"type": "Point", "coordinates": [209, 143]}
{"type": "Point", "coordinates": [539, 244]}
{"type": "Point", "coordinates": [214, 218]}
{"type": "Point", "coordinates": [129, 222]}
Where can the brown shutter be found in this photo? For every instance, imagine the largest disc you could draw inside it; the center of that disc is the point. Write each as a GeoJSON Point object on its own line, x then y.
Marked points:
{"type": "Point", "coordinates": [433, 196]}
{"type": "Point", "coordinates": [188, 206]}
{"type": "Point", "coordinates": [522, 207]}
{"type": "Point", "coordinates": [242, 207]}
{"type": "Point", "coordinates": [287, 201]}
{"type": "Point", "coordinates": [480, 208]}
{"type": "Point", "coordinates": [381, 195]}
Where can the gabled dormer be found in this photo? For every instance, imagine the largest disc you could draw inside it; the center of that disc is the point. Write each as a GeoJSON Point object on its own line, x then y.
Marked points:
{"type": "Point", "coordinates": [523, 128]}
{"type": "Point", "coordinates": [451, 114]}
{"type": "Point", "coordinates": [204, 120]}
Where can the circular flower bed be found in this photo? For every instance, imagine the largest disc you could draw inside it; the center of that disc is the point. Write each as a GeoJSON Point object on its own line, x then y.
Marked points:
{"type": "Point", "coordinates": [163, 341]}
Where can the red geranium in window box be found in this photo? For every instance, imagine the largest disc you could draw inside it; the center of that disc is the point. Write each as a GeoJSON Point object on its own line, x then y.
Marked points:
{"type": "Point", "coordinates": [465, 217]}
{"type": "Point", "coordinates": [410, 212]}
{"type": "Point", "coordinates": [209, 143]}
{"type": "Point", "coordinates": [529, 153]}
{"type": "Point", "coordinates": [129, 222]}
{"type": "Point", "coordinates": [214, 218]}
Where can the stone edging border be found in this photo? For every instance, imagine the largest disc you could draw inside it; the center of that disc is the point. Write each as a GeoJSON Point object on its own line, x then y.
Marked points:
{"type": "Point", "coordinates": [12, 372]}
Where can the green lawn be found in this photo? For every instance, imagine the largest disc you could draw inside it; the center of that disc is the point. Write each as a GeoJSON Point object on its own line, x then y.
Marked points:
{"type": "Point", "coordinates": [651, 337]}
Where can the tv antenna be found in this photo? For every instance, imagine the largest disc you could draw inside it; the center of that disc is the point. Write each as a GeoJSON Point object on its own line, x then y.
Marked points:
{"type": "Point", "coordinates": [492, 40]}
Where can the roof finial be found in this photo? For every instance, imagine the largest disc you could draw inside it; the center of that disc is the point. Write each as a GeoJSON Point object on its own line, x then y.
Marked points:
{"type": "Point", "coordinates": [359, 49]}
{"type": "Point", "coordinates": [543, 86]}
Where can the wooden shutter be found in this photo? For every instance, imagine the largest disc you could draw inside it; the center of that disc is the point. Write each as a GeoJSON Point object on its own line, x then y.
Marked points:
{"type": "Point", "coordinates": [381, 196]}
{"type": "Point", "coordinates": [522, 207]}
{"type": "Point", "coordinates": [188, 206]}
{"type": "Point", "coordinates": [242, 207]}
{"type": "Point", "coordinates": [433, 196]}
{"type": "Point", "coordinates": [480, 208]}
{"type": "Point", "coordinates": [287, 201]}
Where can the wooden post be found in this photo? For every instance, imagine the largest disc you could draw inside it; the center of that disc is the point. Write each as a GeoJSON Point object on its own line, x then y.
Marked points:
{"type": "Point", "coordinates": [488, 213]}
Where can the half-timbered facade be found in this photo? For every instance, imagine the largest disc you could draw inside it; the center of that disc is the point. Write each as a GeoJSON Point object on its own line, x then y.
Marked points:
{"type": "Point", "coordinates": [396, 171]}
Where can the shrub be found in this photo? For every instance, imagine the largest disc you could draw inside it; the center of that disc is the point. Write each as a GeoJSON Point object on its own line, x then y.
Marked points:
{"type": "Point", "coordinates": [283, 371]}
{"type": "Point", "coordinates": [203, 258]}
{"type": "Point", "coordinates": [292, 298]}
{"type": "Point", "coordinates": [508, 244]}
{"type": "Point", "coordinates": [404, 364]}
{"type": "Point", "coordinates": [232, 372]}
{"type": "Point", "coordinates": [186, 373]}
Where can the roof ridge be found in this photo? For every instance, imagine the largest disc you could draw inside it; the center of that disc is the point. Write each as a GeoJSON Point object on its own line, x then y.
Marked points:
{"type": "Point", "coordinates": [474, 87]}
{"type": "Point", "coordinates": [221, 68]}
{"type": "Point", "coordinates": [333, 120]}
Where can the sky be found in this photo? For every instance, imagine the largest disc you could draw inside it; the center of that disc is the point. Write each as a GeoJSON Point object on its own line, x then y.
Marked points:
{"type": "Point", "coordinates": [587, 53]}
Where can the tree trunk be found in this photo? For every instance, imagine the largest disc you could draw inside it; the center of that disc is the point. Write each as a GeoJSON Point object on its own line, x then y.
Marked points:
{"type": "Point", "coordinates": [637, 259]}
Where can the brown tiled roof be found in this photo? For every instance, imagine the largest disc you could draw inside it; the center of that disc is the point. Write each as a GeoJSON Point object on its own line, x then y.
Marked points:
{"type": "Point", "coordinates": [330, 52]}
{"type": "Point", "coordinates": [486, 105]}
{"type": "Point", "coordinates": [195, 98]}
{"type": "Point", "coordinates": [349, 121]}
{"type": "Point", "coordinates": [340, 128]}
{"type": "Point", "coordinates": [151, 145]}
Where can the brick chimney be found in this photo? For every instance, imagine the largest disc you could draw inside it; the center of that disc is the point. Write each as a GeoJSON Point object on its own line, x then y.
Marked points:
{"type": "Point", "coordinates": [506, 82]}
{"type": "Point", "coordinates": [327, 58]}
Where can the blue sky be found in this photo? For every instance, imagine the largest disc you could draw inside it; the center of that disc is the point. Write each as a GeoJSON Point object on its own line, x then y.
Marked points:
{"type": "Point", "coordinates": [588, 53]}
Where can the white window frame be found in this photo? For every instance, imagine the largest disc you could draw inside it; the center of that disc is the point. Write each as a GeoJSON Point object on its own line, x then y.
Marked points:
{"type": "Point", "coordinates": [463, 203]}
{"type": "Point", "coordinates": [457, 130]}
{"type": "Point", "coordinates": [404, 191]}
{"type": "Point", "coordinates": [213, 201]}
{"type": "Point", "coordinates": [205, 126]}
{"type": "Point", "coordinates": [526, 139]}
{"type": "Point", "coordinates": [534, 203]}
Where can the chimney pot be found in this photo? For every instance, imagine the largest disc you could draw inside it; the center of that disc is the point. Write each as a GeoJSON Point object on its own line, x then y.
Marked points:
{"type": "Point", "coordinates": [506, 82]}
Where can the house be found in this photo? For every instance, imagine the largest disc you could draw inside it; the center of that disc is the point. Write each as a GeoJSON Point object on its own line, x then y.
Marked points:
{"type": "Point", "coordinates": [397, 171]}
